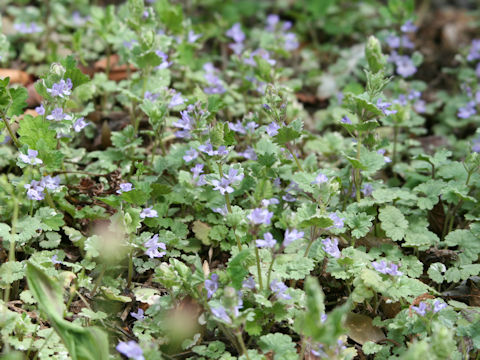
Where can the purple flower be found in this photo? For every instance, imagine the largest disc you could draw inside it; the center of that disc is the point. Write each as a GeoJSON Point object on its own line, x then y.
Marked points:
{"type": "Point", "coordinates": [125, 187]}
{"type": "Point", "coordinates": [414, 94]}
{"type": "Point", "coordinates": [367, 189]}
{"type": "Point", "coordinates": [383, 106]}
{"type": "Point", "coordinates": [40, 110]}
{"type": "Point", "coordinates": [54, 260]}
{"type": "Point", "coordinates": [291, 42]}
{"type": "Point", "coordinates": [268, 202]}
{"type": "Point", "coordinates": [380, 266]}
{"type": "Point", "coordinates": [346, 120]}
{"type": "Point", "coordinates": [287, 25]}
{"type": "Point", "coordinates": [421, 309]}
{"type": "Point", "coordinates": [477, 70]}
{"type": "Point", "coordinates": [192, 37]}
{"type": "Point", "coordinates": [130, 349]}
{"type": "Point", "coordinates": [151, 96]}
{"type": "Point", "coordinates": [61, 89]}
{"type": "Point", "coordinates": [248, 154]}
{"type": "Point", "coordinates": [467, 111]}
{"type": "Point", "coordinates": [262, 53]}
{"type": "Point", "coordinates": [272, 21]}
{"type": "Point", "coordinates": [249, 283]}
{"type": "Point", "coordinates": [207, 148]}
{"type": "Point", "coordinates": [129, 44]}
{"type": "Point", "coordinates": [272, 128]}
{"type": "Point", "coordinates": [197, 170]}
{"type": "Point", "coordinates": [236, 33]}
{"type": "Point", "coordinates": [165, 64]}
{"type": "Point", "coordinates": [419, 106]}
{"type": "Point", "coordinates": [279, 288]}
{"type": "Point", "coordinates": [51, 183]}
{"type": "Point", "coordinates": [268, 241]}
{"type": "Point", "coordinates": [393, 41]}
{"type": "Point", "coordinates": [58, 115]}
{"type": "Point", "coordinates": [222, 185]}
{"type": "Point", "coordinates": [405, 66]}
{"type": "Point", "coordinates": [384, 268]}
{"type": "Point", "coordinates": [251, 126]}
{"type": "Point", "coordinates": [408, 27]}
{"type": "Point", "coordinates": [23, 28]}
{"type": "Point", "coordinates": [148, 213]}
{"type": "Point", "coordinates": [393, 270]}
{"type": "Point", "coordinates": [260, 216]}
{"type": "Point", "coordinates": [211, 285]}
{"type": "Point", "coordinates": [331, 247]}
{"type": "Point", "coordinates": [80, 124]}
{"type": "Point", "coordinates": [237, 127]}
{"type": "Point", "coordinates": [176, 100]}
{"type": "Point", "coordinates": [476, 144]}
{"type": "Point", "coordinates": [337, 221]}
{"type": "Point", "coordinates": [222, 211]}
{"type": "Point", "coordinates": [190, 155]}
{"type": "Point", "coordinates": [319, 352]}
{"type": "Point", "coordinates": [216, 85]}
{"type": "Point", "coordinates": [438, 305]}
{"type": "Point", "coordinates": [233, 176]}
{"type": "Point", "coordinates": [320, 179]}
{"type": "Point", "coordinates": [152, 246]}
{"type": "Point", "coordinates": [31, 158]}
{"type": "Point", "coordinates": [323, 318]}
{"type": "Point", "coordinates": [237, 48]}
{"type": "Point", "coordinates": [35, 190]}
{"type": "Point", "coordinates": [386, 158]}
{"type": "Point", "coordinates": [186, 124]}
{"type": "Point", "coordinates": [474, 53]}
{"type": "Point", "coordinates": [139, 315]}
{"type": "Point", "coordinates": [221, 313]}
{"type": "Point", "coordinates": [291, 236]}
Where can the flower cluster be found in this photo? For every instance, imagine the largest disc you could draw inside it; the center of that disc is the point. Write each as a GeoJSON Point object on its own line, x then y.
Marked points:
{"type": "Point", "coordinates": [211, 77]}
{"type": "Point", "coordinates": [384, 268]}
{"type": "Point", "coordinates": [404, 63]}
{"type": "Point", "coordinates": [260, 216]}
{"type": "Point", "coordinates": [330, 246]}
{"type": "Point", "coordinates": [131, 350]}
{"type": "Point", "coordinates": [423, 307]}
{"type": "Point", "coordinates": [61, 89]}
{"type": "Point", "coordinates": [24, 28]}
{"type": "Point", "coordinates": [31, 157]}
{"type": "Point", "coordinates": [153, 245]}
{"type": "Point", "coordinates": [279, 289]}
{"type": "Point", "coordinates": [35, 190]}
{"type": "Point", "coordinates": [223, 185]}
{"type": "Point", "coordinates": [237, 35]}
{"type": "Point", "coordinates": [211, 285]}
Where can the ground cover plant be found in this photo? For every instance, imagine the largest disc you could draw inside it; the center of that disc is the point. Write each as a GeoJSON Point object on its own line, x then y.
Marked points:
{"type": "Point", "coordinates": [239, 180]}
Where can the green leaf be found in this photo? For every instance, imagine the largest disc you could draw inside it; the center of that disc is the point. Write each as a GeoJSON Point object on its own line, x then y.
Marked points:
{"type": "Point", "coordinates": [237, 267]}
{"type": "Point", "coordinates": [19, 96]}
{"type": "Point", "coordinates": [201, 231]}
{"type": "Point", "coordinates": [393, 222]}
{"type": "Point", "coordinates": [73, 73]}
{"type": "Point", "coordinates": [32, 130]}
{"type": "Point", "coordinates": [285, 135]}
{"type": "Point", "coordinates": [360, 224]}
{"type": "Point", "coordinates": [468, 243]}
{"type": "Point", "coordinates": [436, 272]}
{"type": "Point", "coordinates": [281, 344]}
{"type": "Point", "coordinates": [11, 271]}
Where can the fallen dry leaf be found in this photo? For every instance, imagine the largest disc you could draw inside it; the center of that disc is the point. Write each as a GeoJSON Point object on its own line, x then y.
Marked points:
{"type": "Point", "coordinates": [360, 329]}
{"type": "Point", "coordinates": [16, 76]}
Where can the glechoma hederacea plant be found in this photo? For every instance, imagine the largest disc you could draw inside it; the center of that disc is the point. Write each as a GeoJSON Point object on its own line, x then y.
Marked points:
{"type": "Point", "coordinates": [237, 180]}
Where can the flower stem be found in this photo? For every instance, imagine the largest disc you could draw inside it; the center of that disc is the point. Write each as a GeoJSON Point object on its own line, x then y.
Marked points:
{"type": "Point", "coordinates": [11, 252]}
{"type": "Point", "coordinates": [10, 131]}
{"type": "Point", "coordinates": [259, 269]}
{"type": "Point", "coordinates": [296, 159]}
{"type": "Point", "coordinates": [130, 269]}
{"type": "Point", "coordinates": [242, 343]}
{"type": "Point", "coordinates": [270, 268]}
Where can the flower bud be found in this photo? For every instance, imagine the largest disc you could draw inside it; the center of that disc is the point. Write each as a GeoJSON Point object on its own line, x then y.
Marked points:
{"type": "Point", "coordinates": [373, 53]}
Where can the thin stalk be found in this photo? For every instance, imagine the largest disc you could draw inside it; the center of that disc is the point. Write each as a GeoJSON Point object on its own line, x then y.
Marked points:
{"type": "Point", "coordinates": [10, 131]}
{"type": "Point", "coordinates": [242, 344]}
{"type": "Point", "coordinates": [259, 269]}
{"type": "Point", "coordinates": [50, 200]}
{"type": "Point", "coordinates": [358, 179]}
{"type": "Point", "coordinates": [99, 280]}
{"type": "Point", "coordinates": [130, 269]}
{"type": "Point", "coordinates": [312, 239]}
{"type": "Point", "coordinates": [11, 251]}
{"type": "Point", "coordinates": [296, 159]}
{"type": "Point", "coordinates": [395, 139]}
{"type": "Point", "coordinates": [270, 268]}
